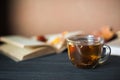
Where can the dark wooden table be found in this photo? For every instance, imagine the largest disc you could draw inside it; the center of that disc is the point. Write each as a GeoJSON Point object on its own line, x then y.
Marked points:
{"type": "Point", "coordinates": [56, 67]}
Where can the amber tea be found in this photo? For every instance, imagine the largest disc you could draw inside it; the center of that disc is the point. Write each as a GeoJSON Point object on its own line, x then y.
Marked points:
{"type": "Point", "coordinates": [86, 51]}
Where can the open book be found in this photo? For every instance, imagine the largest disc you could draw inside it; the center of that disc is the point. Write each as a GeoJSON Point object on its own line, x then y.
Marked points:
{"type": "Point", "coordinates": [20, 48]}
{"type": "Point", "coordinates": [115, 47]}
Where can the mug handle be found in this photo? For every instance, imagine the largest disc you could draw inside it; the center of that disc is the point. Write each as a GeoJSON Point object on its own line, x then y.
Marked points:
{"type": "Point", "coordinates": [105, 54]}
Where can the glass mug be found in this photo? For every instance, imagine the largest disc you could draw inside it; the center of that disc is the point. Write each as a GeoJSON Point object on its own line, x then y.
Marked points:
{"type": "Point", "coordinates": [87, 51]}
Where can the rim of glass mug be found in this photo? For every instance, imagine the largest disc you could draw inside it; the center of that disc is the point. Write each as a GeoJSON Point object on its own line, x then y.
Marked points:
{"type": "Point", "coordinates": [84, 38]}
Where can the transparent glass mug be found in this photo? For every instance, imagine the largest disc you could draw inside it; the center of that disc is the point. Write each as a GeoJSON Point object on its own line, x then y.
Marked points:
{"type": "Point", "coordinates": [87, 51]}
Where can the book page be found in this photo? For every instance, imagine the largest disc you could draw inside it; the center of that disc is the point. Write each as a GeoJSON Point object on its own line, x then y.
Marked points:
{"type": "Point", "coordinates": [115, 47]}
{"type": "Point", "coordinates": [18, 54]}
{"type": "Point", "coordinates": [21, 41]}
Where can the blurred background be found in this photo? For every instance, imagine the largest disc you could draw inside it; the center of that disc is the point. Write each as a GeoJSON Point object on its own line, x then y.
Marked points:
{"type": "Point", "coordinates": [4, 18]}
{"type": "Point", "coordinates": [36, 17]}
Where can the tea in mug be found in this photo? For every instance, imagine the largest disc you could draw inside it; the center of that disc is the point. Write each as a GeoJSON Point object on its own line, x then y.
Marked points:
{"type": "Point", "coordinates": [84, 56]}
{"type": "Point", "coordinates": [85, 51]}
